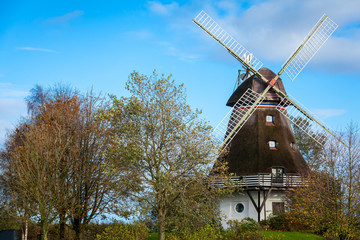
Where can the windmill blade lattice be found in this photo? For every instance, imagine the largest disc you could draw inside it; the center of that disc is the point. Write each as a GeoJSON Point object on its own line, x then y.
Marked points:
{"type": "Point", "coordinates": [311, 44]}
{"type": "Point", "coordinates": [305, 120]}
{"type": "Point", "coordinates": [236, 118]}
{"type": "Point", "coordinates": [204, 21]}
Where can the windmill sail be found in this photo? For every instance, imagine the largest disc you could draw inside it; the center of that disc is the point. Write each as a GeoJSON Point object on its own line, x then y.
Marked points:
{"type": "Point", "coordinates": [309, 47]}
{"type": "Point", "coordinates": [236, 118]}
{"type": "Point", "coordinates": [308, 123]}
{"type": "Point", "coordinates": [204, 21]}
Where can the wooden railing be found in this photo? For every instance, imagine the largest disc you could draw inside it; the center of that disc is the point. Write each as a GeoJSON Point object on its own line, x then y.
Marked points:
{"type": "Point", "coordinates": [262, 180]}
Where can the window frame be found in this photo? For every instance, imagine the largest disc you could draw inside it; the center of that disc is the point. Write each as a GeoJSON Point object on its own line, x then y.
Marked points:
{"type": "Point", "coordinates": [242, 207]}
{"type": "Point", "coordinates": [269, 119]}
{"type": "Point", "coordinates": [272, 144]}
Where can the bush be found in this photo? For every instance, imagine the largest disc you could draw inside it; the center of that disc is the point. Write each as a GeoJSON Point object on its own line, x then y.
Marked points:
{"type": "Point", "coordinates": [341, 232]}
{"type": "Point", "coordinates": [172, 237]}
{"type": "Point", "coordinates": [246, 224]}
{"type": "Point", "coordinates": [137, 231]}
{"type": "Point", "coordinates": [284, 222]}
{"type": "Point", "coordinates": [245, 229]}
{"type": "Point", "coordinates": [93, 229]}
{"type": "Point", "coordinates": [278, 223]}
{"type": "Point", "coordinates": [209, 232]}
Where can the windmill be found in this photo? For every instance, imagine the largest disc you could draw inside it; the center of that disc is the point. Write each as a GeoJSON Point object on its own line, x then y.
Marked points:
{"type": "Point", "coordinates": [262, 152]}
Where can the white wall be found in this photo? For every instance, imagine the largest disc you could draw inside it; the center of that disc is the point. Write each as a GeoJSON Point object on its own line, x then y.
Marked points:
{"type": "Point", "coordinates": [228, 204]}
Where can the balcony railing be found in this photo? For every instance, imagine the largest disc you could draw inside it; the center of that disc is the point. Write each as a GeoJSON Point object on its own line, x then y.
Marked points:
{"type": "Point", "coordinates": [262, 180]}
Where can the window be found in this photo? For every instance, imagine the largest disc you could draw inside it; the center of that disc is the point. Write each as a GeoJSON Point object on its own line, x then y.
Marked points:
{"type": "Point", "coordinates": [269, 119]}
{"type": "Point", "coordinates": [272, 144]}
{"type": "Point", "coordinates": [277, 175]}
{"type": "Point", "coordinates": [278, 208]}
{"type": "Point", "coordinates": [239, 207]}
{"type": "Point", "coordinates": [292, 145]}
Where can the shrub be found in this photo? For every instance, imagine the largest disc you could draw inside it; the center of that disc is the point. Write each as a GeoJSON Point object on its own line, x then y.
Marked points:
{"type": "Point", "coordinates": [284, 222]}
{"type": "Point", "coordinates": [246, 224]}
{"type": "Point", "coordinates": [279, 222]}
{"type": "Point", "coordinates": [245, 229]}
{"type": "Point", "coordinates": [93, 229]}
{"type": "Point", "coordinates": [208, 232]}
{"type": "Point", "coordinates": [342, 231]}
{"type": "Point", "coordinates": [137, 231]}
{"type": "Point", "coordinates": [172, 237]}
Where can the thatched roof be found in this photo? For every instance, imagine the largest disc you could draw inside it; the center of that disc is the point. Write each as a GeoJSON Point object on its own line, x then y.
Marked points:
{"type": "Point", "coordinates": [249, 151]}
{"type": "Point", "coordinates": [258, 86]}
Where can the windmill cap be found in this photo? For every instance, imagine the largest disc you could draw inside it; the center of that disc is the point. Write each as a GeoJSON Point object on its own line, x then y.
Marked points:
{"type": "Point", "coordinates": [258, 86]}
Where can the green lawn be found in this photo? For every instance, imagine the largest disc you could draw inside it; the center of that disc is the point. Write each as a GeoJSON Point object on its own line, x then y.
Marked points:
{"type": "Point", "coordinates": [290, 235]}
{"type": "Point", "coordinates": [153, 236]}
{"type": "Point", "coordinates": [272, 235]}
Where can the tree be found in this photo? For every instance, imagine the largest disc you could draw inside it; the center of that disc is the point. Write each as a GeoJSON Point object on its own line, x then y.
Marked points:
{"type": "Point", "coordinates": [29, 175]}
{"type": "Point", "coordinates": [329, 203]}
{"type": "Point", "coordinates": [309, 148]}
{"type": "Point", "coordinates": [161, 149]}
{"type": "Point", "coordinates": [13, 206]}
{"type": "Point", "coordinates": [94, 181]}
{"type": "Point", "coordinates": [54, 160]}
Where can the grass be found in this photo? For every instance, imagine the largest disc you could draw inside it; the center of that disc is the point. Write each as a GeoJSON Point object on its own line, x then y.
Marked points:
{"type": "Point", "coordinates": [271, 235]}
{"type": "Point", "coordinates": [290, 235]}
{"type": "Point", "coordinates": [153, 236]}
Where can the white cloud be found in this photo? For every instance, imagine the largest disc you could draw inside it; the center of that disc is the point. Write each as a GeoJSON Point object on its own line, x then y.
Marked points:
{"type": "Point", "coordinates": [12, 108]}
{"type": "Point", "coordinates": [9, 90]}
{"type": "Point", "coordinates": [228, 6]}
{"type": "Point", "coordinates": [328, 113]}
{"type": "Point", "coordinates": [272, 30]}
{"type": "Point", "coordinates": [37, 49]}
{"type": "Point", "coordinates": [343, 56]}
{"type": "Point", "coordinates": [162, 9]}
{"type": "Point", "coordinates": [5, 84]}
{"type": "Point", "coordinates": [12, 93]}
{"type": "Point", "coordinates": [11, 111]}
{"type": "Point", "coordinates": [63, 19]}
{"type": "Point", "coordinates": [173, 51]}
{"type": "Point", "coordinates": [5, 126]}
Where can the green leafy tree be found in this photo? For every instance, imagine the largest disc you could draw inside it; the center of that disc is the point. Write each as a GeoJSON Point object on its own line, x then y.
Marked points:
{"type": "Point", "coordinates": [162, 150]}
{"type": "Point", "coordinates": [309, 148]}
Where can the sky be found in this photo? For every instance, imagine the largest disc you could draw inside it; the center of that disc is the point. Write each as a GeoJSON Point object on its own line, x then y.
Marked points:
{"type": "Point", "coordinates": [97, 44]}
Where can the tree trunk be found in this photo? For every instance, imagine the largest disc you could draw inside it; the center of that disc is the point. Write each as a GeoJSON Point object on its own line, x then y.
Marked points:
{"type": "Point", "coordinates": [45, 233]}
{"type": "Point", "coordinates": [161, 222]}
{"type": "Point", "coordinates": [62, 226]}
{"type": "Point", "coordinates": [44, 230]}
{"type": "Point", "coordinates": [77, 228]}
{"type": "Point", "coordinates": [24, 232]}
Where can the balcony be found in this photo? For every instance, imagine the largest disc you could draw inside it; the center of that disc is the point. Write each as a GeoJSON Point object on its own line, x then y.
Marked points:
{"type": "Point", "coordinates": [263, 181]}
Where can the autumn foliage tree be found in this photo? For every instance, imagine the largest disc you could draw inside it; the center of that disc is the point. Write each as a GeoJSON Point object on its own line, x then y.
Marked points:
{"type": "Point", "coordinates": [329, 201]}
{"type": "Point", "coordinates": [54, 167]}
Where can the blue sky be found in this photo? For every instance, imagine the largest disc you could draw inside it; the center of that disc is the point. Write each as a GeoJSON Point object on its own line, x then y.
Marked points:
{"type": "Point", "coordinates": [99, 43]}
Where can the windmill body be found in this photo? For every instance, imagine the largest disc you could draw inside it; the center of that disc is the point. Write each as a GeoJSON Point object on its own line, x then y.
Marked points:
{"type": "Point", "coordinates": [266, 139]}
{"type": "Point", "coordinates": [263, 155]}
{"type": "Point", "coordinates": [260, 145]}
